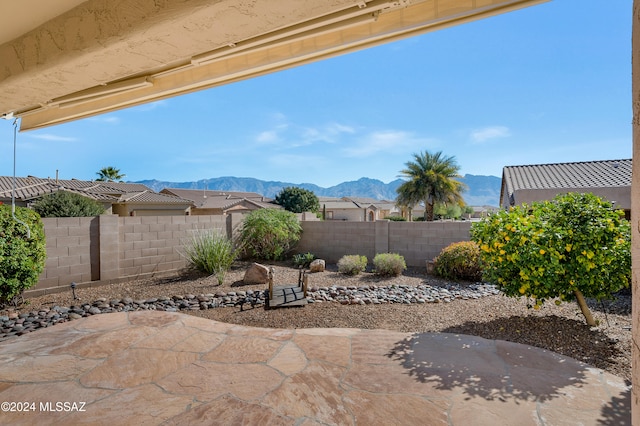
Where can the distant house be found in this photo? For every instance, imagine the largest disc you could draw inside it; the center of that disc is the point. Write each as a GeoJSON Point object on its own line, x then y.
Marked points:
{"type": "Point", "coordinates": [359, 209]}
{"type": "Point", "coordinates": [123, 199]}
{"type": "Point", "coordinates": [609, 179]}
{"type": "Point", "coordinates": [205, 202]}
{"type": "Point", "coordinates": [480, 212]}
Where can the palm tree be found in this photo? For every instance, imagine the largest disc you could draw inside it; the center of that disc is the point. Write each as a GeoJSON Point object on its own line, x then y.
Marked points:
{"type": "Point", "coordinates": [432, 179]}
{"type": "Point", "coordinates": [109, 174]}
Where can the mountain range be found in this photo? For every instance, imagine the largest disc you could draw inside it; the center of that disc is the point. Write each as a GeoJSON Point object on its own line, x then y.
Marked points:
{"type": "Point", "coordinates": [481, 190]}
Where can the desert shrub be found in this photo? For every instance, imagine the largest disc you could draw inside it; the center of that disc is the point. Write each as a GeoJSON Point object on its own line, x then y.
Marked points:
{"type": "Point", "coordinates": [459, 261]}
{"type": "Point", "coordinates": [389, 264]}
{"type": "Point", "coordinates": [269, 233]}
{"type": "Point", "coordinates": [303, 260]}
{"type": "Point", "coordinates": [210, 252]}
{"type": "Point", "coordinates": [22, 252]}
{"type": "Point", "coordinates": [573, 247]}
{"type": "Point", "coordinates": [352, 264]}
{"type": "Point", "coordinates": [67, 204]}
{"type": "Point", "coordinates": [396, 218]}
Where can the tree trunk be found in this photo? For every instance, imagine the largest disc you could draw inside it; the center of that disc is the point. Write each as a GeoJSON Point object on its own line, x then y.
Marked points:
{"type": "Point", "coordinates": [428, 212]}
{"type": "Point", "coordinates": [584, 308]}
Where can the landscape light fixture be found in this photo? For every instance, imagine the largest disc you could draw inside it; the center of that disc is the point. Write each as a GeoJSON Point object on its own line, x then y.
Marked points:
{"type": "Point", "coordinates": [73, 290]}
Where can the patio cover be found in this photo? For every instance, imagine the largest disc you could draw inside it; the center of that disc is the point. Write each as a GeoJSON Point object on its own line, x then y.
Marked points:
{"type": "Point", "coordinates": [68, 59]}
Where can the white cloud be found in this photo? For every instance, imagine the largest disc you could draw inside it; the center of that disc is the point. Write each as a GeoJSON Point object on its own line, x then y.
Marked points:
{"type": "Point", "coordinates": [54, 138]}
{"type": "Point", "coordinates": [108, 119]}
{"type": "Point", "coordinates": [491, 132]}
{"type": "Point", "coordinates": [392, 141]}
{"type": "Point", "coordinates": [279, 117]}
{"type": "Point", "coordinates": [291, 136]}
{"type": "Point", "coordinates": [267, 137]}
{"type": "Point", "coordinates": [152, 105]}
{"type": "Point", "coordinates": [328, 133]}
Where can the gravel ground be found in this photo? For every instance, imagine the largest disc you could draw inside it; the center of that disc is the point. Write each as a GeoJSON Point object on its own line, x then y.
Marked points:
{"type": "Point", "coordinates": [561, 329]}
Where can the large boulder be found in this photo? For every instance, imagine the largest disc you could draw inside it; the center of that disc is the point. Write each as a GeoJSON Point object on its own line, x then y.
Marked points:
{"type": "Point", "coordinates": [317, 265]}
{"type": "Point", "coordinates": [256, 274]}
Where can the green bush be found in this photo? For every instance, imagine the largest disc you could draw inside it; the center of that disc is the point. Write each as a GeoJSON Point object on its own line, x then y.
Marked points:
{"type": "Point", "coordinates": [396, 218]}
{"type": "Point", "coordinates": [210, 252]}
{"type": "Point", "coordinates": [389, 264]}
{"type": "Point", "coordinates": [447, 211]}
{"type": "Point", "coordinates": [573, 247]}
{"type": "Point", "coordinates": [67, 204]}
{"type": "Point", "coordinates": [352, 264]}
{"type": "Point", "coordinates": [297, 200]}
{"type": "Point", "coordinates": [22, 256]}
{"type": "Point", "coordinates": [459, 261]}
{"type": "Point", "coordinates": [303, 260]}
{"type": "Point", "coordinates": [269, 234]}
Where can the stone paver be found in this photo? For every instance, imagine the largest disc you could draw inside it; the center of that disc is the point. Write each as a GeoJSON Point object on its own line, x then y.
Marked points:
{"type": "Point", "coordinates": [169, 368]}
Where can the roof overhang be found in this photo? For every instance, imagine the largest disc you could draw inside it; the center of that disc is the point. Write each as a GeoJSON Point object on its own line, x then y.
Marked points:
{"type": "Point", "coordinates": [81, 58]}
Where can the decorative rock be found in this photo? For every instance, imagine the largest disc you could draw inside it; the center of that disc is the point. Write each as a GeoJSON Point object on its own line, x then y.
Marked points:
{"type": "Point", "coordinates": [14, 324]}
{"type": "Point", "coordinates": [256, 274]}
{"type": "Point", "coordinates": [317, 265]}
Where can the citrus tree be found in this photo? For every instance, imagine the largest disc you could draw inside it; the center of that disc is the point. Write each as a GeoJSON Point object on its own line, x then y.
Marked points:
{"type": "Point", "coordinates": [572, 247]}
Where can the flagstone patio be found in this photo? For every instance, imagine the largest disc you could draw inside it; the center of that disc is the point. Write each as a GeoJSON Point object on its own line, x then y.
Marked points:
{"type": "Point", "coordinates": [168, 368]}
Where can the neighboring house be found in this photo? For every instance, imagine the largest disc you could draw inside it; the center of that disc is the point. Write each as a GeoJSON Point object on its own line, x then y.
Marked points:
{"type": "Point", "coordinates": [358, 209]}
{"type": "Point", "coordinates": [123, 199]}
{"type": "Point", "coordinates": [207, 202]}
{"type": "Point", "coordinates": [610, 179]}
{"type": "Point", "coordinates": [482, 211]}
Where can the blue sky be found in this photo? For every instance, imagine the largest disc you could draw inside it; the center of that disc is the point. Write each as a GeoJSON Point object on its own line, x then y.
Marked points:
{"type": "Point", "coordinates": [545, 84]}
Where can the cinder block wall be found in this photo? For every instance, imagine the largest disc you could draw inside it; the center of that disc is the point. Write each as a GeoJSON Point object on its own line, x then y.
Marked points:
{"type": "Point", "coordinates": [70, 250]}
{"type": "Point", "coordinates": [418, 242]}
{"type": "Point", "coordinates": [105, 249]}
{"type": "Point", "coordinates": [330, 240]}
{"type": "Point", "coordinates": [150, 245]}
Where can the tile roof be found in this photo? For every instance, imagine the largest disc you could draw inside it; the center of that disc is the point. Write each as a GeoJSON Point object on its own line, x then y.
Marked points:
{"type": "Point", "coordinates": [32, 187]}
{"type": "Point", "coordinates": [588, 174]}
{"type": "Point", "coordinates": [198, 196]}
{"type": "Point", "coordinates": [26, 188]}
{"type": "Point", "coordinates": [362, 201]}
{"type": "Point", "coordinates": [339, 204]}
{"type": "Point", "coordinates": [223, 202]}
{"type": "Point", "coordinates": [206, 199]}
{"type": "Point", "coordinates": [149, 196]}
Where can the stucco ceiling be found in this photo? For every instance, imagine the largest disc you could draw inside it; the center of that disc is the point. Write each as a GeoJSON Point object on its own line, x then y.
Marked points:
{"type": "Point", "coordinates": [67, 59]}
{"type": "Point", "coordinates": [20, 17]}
